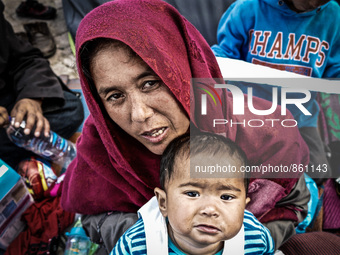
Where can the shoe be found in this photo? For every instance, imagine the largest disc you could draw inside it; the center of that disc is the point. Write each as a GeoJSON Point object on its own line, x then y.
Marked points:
{"type": "Point", "coordinates": [34, 9]}
{"type": "Point", "coordinates": [40, 37]}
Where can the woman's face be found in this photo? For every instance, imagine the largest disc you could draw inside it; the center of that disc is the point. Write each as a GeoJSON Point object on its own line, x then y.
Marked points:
{"type": "Point", "coordinates": [136, 99]}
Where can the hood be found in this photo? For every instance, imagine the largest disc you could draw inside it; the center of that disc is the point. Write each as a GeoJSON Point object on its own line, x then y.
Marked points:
{"type": "Point", "coordinates": [283, 7]}
{"type": "Point", "coordinates": [166, 37]}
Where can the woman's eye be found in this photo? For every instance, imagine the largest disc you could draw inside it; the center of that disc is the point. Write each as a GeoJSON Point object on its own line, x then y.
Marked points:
{"type": "Point", "coordinates": [192, 194]}
{"type": "Point", "coordinates": [115, 96]}
{"type": "Point", "coordinates": [226, 197]}
{"type": "Point", "coordinates": [151, 84]}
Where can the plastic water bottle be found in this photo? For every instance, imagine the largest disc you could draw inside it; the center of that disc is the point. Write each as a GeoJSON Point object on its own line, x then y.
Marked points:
{"type": "Point", "coordinates": [53, 147]}
{"type": "Point", "coordinates": [78, 243]}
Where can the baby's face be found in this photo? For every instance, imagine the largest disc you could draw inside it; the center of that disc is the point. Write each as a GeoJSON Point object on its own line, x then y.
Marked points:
{"type": "Point", "coordinates": [203, 212]}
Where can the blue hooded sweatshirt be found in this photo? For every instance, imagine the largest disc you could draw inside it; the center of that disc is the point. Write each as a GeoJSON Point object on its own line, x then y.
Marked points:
{"type": "Point", "coordinates": [269, 33]}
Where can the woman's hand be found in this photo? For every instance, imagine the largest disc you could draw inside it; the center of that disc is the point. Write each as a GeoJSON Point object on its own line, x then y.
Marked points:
{"type": "Point", "coordinates": [31, 108]}
{"type": "Point", "coordinates": [4, 118]}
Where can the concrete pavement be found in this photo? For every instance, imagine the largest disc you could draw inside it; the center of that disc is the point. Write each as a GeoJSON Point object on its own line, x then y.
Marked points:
{"type": "Point", "coordinates": [63, 62]}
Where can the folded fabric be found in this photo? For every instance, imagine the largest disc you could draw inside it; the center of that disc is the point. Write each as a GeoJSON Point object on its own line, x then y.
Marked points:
{"type": "Point", "coordinates": [331, 206]}
{"type": "Point", "coordinates": [45, 220]}
{"type": "Point", "coordinates": [321, 243]}
{"type": "Point", "coordinates": [264, 194]}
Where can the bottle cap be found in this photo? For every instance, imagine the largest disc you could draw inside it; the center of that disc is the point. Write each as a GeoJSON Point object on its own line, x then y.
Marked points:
{"type": "Point", "coordinates": [77, 231]}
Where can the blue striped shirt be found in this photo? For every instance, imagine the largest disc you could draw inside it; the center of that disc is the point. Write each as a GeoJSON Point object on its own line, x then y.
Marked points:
{"type": "Point", "coordinates": [257, 239]}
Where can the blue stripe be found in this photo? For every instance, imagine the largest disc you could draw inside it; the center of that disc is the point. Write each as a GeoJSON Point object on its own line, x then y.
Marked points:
{"type": "Point", "coordinates": [251, 238]}
{"type": "Point", "coordinates": [124, 246]}
{"type": "Point", "coordinates": [257, 239]}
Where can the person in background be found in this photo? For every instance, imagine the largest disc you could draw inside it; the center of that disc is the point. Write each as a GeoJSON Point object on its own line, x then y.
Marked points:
{"type": "Point", "coordinates": [136, 79]}
{"type": "Point", "coordinates": [36, 10]}
{"type": "Point", "coordinates": [30, 91]}
{"type": "Point", "coordinates": [203, 14]}
{"type": "Point", "coordinates": [302, 40]}
{"type": "Point", "coordinates": [203, 215]}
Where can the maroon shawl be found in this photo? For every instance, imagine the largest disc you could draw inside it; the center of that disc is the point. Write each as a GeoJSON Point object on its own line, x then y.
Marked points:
{"type": "Point", "coordinates": [112, 171]}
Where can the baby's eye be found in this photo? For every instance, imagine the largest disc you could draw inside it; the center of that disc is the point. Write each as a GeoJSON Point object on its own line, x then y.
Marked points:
{"type": "Point", "coordinates": [192, 194]}
{"type": "Point", "coordinates": [226, 197]}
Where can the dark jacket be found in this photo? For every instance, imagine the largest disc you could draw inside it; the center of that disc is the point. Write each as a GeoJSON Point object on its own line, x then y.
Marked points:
{"type": "Point", "coordinates": [24, 73]}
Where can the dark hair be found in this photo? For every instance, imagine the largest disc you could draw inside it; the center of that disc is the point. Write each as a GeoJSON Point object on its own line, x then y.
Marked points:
{"type": "Point", "coordinates": [90, 49]}
{"type": "Point", "coordinates": [208, 143]}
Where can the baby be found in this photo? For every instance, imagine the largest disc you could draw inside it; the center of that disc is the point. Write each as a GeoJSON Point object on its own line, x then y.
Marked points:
{"type": "Point", "coordinates": [202, 215]}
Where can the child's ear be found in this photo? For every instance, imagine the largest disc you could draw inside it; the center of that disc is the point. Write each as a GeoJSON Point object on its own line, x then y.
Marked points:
{"type": "Point", "coordinates": [161, 198]}
{"type": "Point", "coordinates": [247, 200]}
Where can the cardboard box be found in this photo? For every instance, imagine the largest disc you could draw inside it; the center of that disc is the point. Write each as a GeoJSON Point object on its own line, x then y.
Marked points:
{"type": "Point", "coordinates": [14, 200]}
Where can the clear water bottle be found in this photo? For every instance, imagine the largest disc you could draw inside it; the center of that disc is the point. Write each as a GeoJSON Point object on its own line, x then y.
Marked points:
{"type": "Point", "coordinates": [78, 243]}
{"type": "Point", "coordinates": [53, 147]}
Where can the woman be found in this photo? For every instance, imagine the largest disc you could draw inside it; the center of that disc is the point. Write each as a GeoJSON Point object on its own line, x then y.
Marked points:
{"type": "Point", "coordinates": [136, 82]}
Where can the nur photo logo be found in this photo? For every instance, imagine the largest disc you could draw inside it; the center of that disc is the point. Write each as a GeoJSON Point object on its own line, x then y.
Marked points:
{"type": "Point", "coordinates": [240, 102]}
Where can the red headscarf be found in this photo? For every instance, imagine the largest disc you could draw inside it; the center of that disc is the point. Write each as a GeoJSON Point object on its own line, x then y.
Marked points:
{"type": "Point", "coordinates": [113, 171]}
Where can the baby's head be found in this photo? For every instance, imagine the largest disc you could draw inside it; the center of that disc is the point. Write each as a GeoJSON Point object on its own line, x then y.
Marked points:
{"type": "Point", "coordinates": [201, 212]}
